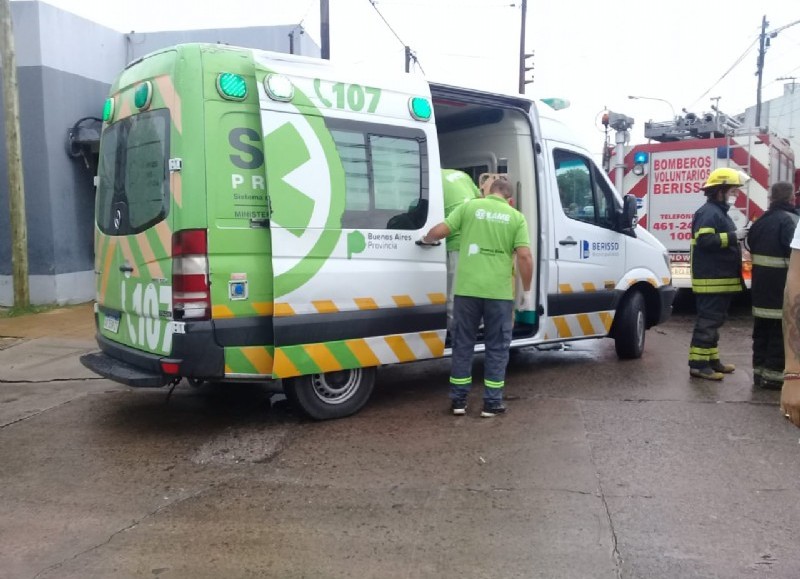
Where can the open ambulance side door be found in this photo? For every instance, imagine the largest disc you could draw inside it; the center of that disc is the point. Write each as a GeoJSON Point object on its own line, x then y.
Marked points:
{"type": "Point", "coordinates": [350, 193]}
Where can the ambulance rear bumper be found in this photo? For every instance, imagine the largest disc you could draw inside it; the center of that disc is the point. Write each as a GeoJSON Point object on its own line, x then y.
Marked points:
{"type": "Point", "coordinates": [195, 354]}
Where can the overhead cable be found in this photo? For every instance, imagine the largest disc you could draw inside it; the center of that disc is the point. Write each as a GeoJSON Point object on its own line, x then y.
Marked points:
{"type": "Point", "coordinates": [727, 72]}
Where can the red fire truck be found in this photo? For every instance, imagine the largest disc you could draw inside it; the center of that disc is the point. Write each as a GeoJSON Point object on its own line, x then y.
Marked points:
{"type": "Point", "coordinates": [665, 176]}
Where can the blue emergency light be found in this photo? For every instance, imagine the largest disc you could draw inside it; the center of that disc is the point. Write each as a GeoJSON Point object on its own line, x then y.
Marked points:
{"type": "Point", "coordinates": [640, 158]}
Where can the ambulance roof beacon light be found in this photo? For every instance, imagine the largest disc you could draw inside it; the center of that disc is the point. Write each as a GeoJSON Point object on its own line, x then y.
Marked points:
{"type": "Point", "coordinates": [231, 86]}
{"type": "Point", "coordinates": [420, 108]}
{"type": "Point", "coordinates": [143, 95]}
{"type": "Point", "coordinates": [279, 87]}
{"type": "Point", "coordinates": [556, 104]}
{"type": "Point", "coordinates": [108, 110]}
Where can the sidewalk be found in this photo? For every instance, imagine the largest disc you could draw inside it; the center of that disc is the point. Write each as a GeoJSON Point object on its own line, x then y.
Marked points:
{"type": "Point", "coordinates": [68, 322]}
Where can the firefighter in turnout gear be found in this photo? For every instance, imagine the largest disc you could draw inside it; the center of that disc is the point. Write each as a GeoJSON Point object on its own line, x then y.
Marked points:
{"type": "Point", "coordinates": [769, 242]}
{"type": "Point", "coordinates": [716, 271]}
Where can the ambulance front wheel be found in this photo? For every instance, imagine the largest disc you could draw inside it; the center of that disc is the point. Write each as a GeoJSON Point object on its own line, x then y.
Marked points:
{"type": "Point", "coordinates": [332, 394]}
{"type": "Point", "coordinates": [629, 327]}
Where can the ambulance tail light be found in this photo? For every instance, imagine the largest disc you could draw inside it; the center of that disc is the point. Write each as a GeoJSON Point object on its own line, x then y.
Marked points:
{"type": "Point", "coordinates": [170, 368]}
{"type": "Point", "coordinates": [191, 291]}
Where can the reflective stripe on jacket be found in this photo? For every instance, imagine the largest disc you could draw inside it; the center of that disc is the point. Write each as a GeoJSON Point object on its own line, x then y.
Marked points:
{"type": "Point", "coordinates": [769, 241]}
{"type": "Point", "coordinates": [715, 255]}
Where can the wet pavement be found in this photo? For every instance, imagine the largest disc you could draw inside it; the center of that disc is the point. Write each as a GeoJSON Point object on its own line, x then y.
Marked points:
{"type": "Point", "coordinates": [600, 469]}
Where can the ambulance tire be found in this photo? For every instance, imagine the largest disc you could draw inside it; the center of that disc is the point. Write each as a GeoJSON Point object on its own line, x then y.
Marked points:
{"type": "Point", "coordinates": [629, 327]}
{"type": "Point", "coordinates": [332, 394]}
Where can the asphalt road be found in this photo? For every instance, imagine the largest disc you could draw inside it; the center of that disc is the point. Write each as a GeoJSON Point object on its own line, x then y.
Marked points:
{"type": "Point", "coordinates": [601, 469]}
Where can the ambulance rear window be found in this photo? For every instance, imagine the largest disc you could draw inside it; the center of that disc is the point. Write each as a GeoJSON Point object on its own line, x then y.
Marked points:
{"type": "Point", "coordinates": [133, 176]}
{"type": "Point", "coordinates": [384, 169]}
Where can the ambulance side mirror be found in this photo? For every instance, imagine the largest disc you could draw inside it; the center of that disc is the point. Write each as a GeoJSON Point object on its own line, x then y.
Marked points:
{"type": "Point", "coordinates": [628, 217]}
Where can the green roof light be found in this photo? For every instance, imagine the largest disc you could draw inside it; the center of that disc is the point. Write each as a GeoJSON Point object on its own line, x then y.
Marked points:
{"type": "Point", "coordinates": [556, 103]}
{"type": "Point", "coordinates": [231, 86]}
{"type": "Point", "coordinates": [143, 95]}
{"type": "Point", "coordinates": [108, 110]}
{"type": "Point", "coordinates": [420, 108]}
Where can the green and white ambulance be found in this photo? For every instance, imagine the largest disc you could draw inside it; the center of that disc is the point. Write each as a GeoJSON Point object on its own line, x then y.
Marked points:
{"type": "Point", "coordinates": [257, 217]}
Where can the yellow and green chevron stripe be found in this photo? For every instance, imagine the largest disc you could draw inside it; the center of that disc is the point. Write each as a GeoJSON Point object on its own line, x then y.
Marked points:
{"type": "Point", "coordinates": [579, 325]}
{"type": "Point", "coordinates": [328, 306]}
{"type": "Point", "coordinates": [249, 361]}
{"type": "Point", "coordinates": [358, 353]}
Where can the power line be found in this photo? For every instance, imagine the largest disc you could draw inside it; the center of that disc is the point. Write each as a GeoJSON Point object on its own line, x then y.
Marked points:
{"type": "Point", "coordinates": [410, 54]}
{"type": "Point", "coordinates": [727, 72]}
{"type": "Point", "coordinates": [389, 26]}
{"type": "Point", "coordinates": [417, 63]}
{"type": "Point", "coordinates": [303, 19]}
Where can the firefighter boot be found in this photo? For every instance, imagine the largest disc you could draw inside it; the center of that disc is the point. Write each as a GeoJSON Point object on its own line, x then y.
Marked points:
{"type": "Point", "coordinates": [718, 366]}
{"type": "Point", "coordinates": [707, 373]}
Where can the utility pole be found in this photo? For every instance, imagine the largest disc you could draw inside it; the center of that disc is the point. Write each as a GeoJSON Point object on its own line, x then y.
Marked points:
{"type": "Point", "coordinates": [16, 184]}
{"type": "Point", "coordinates": [762, 42]}
{"type": "Point", "coordinates": [325, 30]}
{"type": "Point", "coordinates": [291, 42]}
{"type": "Point", "coordinates": [408, 58]}
{"type": "Point", "coordinates": [522, 55]}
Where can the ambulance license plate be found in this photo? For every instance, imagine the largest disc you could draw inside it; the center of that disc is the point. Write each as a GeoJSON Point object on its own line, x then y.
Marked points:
{"type": "Point", "coordinates": [111, 323]}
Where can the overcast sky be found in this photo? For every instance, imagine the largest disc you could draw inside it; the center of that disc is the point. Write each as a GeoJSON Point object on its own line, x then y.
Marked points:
{"type": "Point", "coordinates": [592, 53]}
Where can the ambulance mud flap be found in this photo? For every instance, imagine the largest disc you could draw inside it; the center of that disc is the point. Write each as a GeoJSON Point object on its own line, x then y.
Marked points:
{"type": "Point", "coordinates": [667, 295]}
{"type": "Point", "coordinates": [629, 327]}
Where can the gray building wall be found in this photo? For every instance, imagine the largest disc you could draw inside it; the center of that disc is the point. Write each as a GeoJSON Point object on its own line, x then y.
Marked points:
{"type": "Point", "coordinates": [781, 115]}
{"type": "Point", "coordinates": [277, 39]}
{"type": "Point", "coordinates": [65, 67]}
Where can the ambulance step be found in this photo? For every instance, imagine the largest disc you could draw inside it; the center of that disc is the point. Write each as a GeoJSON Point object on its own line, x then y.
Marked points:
{"type": "Point", "coordinates": [122, 372]}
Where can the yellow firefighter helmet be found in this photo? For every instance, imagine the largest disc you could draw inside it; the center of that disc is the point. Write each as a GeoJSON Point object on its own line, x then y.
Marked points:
{"type": "Point", "coordinates": [726, 176]}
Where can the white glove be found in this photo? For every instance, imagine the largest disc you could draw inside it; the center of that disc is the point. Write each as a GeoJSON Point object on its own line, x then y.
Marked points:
{"type": "Point", "coordinates": [423, 241]}
{"type": "Point", "coordinates": [741, 233]}
{"type": "Point", "coordinates": [525, 301]}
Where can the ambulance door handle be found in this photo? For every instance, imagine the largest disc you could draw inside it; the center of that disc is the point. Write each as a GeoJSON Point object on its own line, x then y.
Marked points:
{"type": "Point", "coordinates": [125, 268]}
{"type": "Point", "coordinates": [568, 241]}
{"type": "Point", "coordinates": [259, 223]}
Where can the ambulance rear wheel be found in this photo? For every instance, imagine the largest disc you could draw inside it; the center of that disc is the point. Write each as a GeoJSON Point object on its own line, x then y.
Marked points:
{"type": "Point", "coordinates": [629, 327]}
{"type": "Point", "coordinates": [332, 394]}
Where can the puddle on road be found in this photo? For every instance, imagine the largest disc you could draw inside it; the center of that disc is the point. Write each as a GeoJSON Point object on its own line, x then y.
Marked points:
{"type": "Point", "coordinates": [243, 445]}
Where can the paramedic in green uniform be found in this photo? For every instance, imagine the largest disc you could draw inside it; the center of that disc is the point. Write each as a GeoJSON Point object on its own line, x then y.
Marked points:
{"type": "Point", "coordinates": [492, 233]}
{"type": "Point", "coordinates": [458, 188]}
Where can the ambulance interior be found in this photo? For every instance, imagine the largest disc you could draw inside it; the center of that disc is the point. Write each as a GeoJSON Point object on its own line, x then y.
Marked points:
{"type": "Point", "coordinates": [484, 139]}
